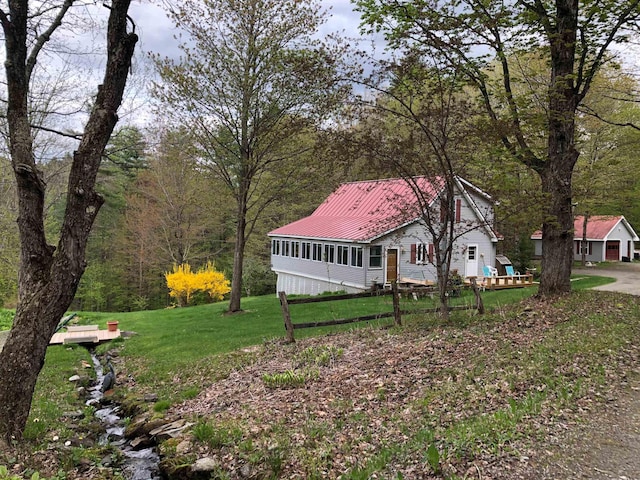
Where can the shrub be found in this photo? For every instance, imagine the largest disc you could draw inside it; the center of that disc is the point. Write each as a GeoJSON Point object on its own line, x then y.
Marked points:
{"type": "Point", "coordinates": [183, 283]}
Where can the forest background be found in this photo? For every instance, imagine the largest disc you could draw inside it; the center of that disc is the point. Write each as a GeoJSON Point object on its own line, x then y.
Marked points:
{"type": "Point", "coordinates": [165, 207]}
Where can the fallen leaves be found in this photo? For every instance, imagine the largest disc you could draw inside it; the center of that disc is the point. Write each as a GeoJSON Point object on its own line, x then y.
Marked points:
{"type": "Point", "coordinates": [485, 393]}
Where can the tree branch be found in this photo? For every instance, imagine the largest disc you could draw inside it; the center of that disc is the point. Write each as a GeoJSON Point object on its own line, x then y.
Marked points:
{"type": "Point", "coordinates": [45, 37]}
{"type": "Point", "coordinates": [591, 112]}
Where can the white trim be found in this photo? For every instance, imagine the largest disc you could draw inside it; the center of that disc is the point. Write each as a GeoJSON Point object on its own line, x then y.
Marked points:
{"type": "Point", "coordinates": [322, 279]}
{"type": "Point", "coordinates": [476, 210]}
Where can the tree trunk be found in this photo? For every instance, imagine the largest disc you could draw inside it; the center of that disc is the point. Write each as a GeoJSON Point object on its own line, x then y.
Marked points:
{"type": "Point", "coordinates": [557, 236]}
{"type": "Point", "coordinates": [557, 229]}
{"type": "Point", "coordinates": [584, 239]}
{"type": "Point", "coordinates": [49, 276]}
{"type": "Point", "coordinates": [238, 257]}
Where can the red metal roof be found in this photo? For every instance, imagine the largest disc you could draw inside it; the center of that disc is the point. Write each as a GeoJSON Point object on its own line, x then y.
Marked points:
{"type": "Point", "coordinates": [598, 226]}
{"type": "Point", "coordinates": [362, 211]}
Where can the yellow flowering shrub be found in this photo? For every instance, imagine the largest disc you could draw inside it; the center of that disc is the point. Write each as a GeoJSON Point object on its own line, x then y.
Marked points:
{"type": "Point", "coordinates": [183, 283]}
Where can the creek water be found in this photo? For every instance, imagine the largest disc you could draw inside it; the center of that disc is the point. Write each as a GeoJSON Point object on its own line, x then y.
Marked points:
{"type": "Point", "coordinates": [138, 464]}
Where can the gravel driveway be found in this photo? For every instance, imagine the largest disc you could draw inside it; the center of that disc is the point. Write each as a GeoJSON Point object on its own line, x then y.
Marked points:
{"type": "Point", "coordinates": [627, 276]}
{"type": "Point", "coordinates": [3, 338]}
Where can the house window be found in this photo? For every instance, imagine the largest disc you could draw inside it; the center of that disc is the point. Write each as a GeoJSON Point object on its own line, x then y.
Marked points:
{"type": "Point", "coordinates": [295, 249]}
{"type": "Point", "coordinates": [343, 255]}
{"type": "Point", "coordinates": [471, 252]}
{"type": "Point", "coordinates": [306, 250]}
{"type": "Point", "coordinates": [317, 252]}
{"type": "Point", "coordinates": [422, 253]}
{"type": "Point", "coordinates": [275, 247]}
{"type": "Point", "coordinates": [375, 256]}
{"type": "Point", "coordinates": [579, 247]}
{"type": "Point", "coordinates": [329, 253]}
{"type": "Point", "coordinates": [356, 256]}
{"type": "Point", "coordinates": [285, 248]}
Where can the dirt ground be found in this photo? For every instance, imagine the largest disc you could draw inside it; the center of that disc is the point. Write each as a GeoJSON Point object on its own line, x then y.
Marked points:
{"type": "Point", "coordinates": [608, 445]}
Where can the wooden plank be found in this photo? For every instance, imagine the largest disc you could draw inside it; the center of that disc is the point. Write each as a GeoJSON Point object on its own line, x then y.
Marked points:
{"type": "Point", "coordinates": [476, 292]}
{"type": "Point", "coordinates": [426, 283]}
{"type": "Point", "coordinates": [102, 336]}
{"type": "Point", "coordinates": [330, 298]}
{"type": "Point", "coordinates": [82, 328]}
{"type": "Point", "coordinates": [397, 316]}
{"type": "Point", "coordinates": [288, 326]}
{"type": "Point", "coordinates": [342, 321]}
{"type": "Point", "coordinates": [86, 339]}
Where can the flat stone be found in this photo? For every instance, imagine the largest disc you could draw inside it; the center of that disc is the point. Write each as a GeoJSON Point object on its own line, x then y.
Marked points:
{"type": "Point", "coordinates": [170, 430]}
{"type": "Point", "coordinates": [183, 447]}
{"type": "Point", "coordinates": [74, 378]}
{"type": "Point", "coordinates": [139, 443]}
{"type": "Point", "coordinates": [205, 464]}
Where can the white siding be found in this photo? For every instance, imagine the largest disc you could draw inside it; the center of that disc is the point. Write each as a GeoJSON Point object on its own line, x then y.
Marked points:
{"type": "Point", "coordinates": [306, 276]}
{"type": "Point", "coordinates": [321, 275]}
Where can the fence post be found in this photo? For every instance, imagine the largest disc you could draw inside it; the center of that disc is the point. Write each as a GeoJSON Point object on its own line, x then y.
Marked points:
{"type": "Point", "coordinates": [476, 292]}
{"type": "Point", "coordinates": [287, 317]}
{"type": "Point", "coordinates": [396, 304]}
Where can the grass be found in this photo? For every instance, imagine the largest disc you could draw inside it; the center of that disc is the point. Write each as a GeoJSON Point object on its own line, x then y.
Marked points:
{"type": "Point", "coordinates": [175, 349]}
{"type": "Point", "coordinates": [6, 319]}
{"type": "Point", "coordinates": [55, 395]}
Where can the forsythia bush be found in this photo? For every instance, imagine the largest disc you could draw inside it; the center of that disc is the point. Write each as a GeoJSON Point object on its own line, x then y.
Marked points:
{"type": "Point", "coordinates": [183, 283]}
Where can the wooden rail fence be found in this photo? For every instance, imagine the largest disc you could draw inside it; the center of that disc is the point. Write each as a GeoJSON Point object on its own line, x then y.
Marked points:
{"type": "Point", "coordinates": [396, 313]}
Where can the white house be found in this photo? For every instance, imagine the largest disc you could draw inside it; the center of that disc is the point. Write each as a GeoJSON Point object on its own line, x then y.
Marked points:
{"type": "Point", "coordinates": [372, 232]}
{"type": "Point", "coordinates": [609, 238]}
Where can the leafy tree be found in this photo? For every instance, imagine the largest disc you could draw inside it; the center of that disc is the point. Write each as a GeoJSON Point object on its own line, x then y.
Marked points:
{"type": "Point", "coordinates": [575, 39]}
{"type": "Point", "coordinates": [603, 179]}
{"type": "Point", "coordinates": [253, 81]}
{"type": "Point", "coordinates": [104, 285]}
{"type": "Point", "coordinates": [176, 213]}
{"type": "Point", "coordinates": [49, 275]}
{"type": "Point", "coordinates": [9, 243]}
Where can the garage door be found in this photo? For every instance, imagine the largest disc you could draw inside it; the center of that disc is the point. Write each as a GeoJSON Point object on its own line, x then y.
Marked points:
{"type": "Point", "coordinates": [613, 250]}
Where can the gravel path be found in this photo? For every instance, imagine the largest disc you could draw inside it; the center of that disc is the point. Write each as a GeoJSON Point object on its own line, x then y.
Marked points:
{"type": "Point", "coordinates": [608, 446]}
{"type": "Point", "coordinates": [627, 276]}
{"type": "Point", "coordinates": [3, 338]}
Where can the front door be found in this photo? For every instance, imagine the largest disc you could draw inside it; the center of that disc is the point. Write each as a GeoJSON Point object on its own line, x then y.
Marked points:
{"type": "Point", "coordinates": [392, 265]}
{"type": "Point", "coordinates": [471, 267]}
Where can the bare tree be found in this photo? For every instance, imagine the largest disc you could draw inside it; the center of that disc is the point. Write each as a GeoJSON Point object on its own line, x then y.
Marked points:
{"type": "Point", "coordinates": [420, 124]}
{"type": "Point", "coordinates": [49, 275]}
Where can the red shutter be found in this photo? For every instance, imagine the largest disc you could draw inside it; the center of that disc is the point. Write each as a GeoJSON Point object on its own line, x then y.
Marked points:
{"type": "Point", "coordinates": [413, 253]}
{"type": "Point", "coordinates": [431, 253]}
{"type": "Point", "coordinates": [458, 208]}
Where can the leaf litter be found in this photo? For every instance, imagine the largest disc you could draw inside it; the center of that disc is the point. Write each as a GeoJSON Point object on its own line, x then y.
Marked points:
{"type": "Point", "coordinates": [495, 396]}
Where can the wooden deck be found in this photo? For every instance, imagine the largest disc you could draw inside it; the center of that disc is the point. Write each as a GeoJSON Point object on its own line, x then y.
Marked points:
{"type": "Point", "coordinates": [506, 281]}
{"type": "Point", "coordinates": [83, 334]}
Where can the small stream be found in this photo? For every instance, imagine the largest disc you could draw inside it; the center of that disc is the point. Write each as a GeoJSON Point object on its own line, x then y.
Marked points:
{"type": "Point", "coordinates": [138, 464]}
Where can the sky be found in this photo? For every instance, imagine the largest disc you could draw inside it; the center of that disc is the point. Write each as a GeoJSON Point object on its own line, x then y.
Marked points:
{"type": "Point", "coordinates": [156, 31]}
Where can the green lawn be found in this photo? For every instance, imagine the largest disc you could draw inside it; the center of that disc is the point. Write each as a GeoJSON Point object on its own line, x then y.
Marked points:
{"type": "Point", "coordinates": [196, 342]}
{"type": "Point", "coordinates": [203, 342]}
